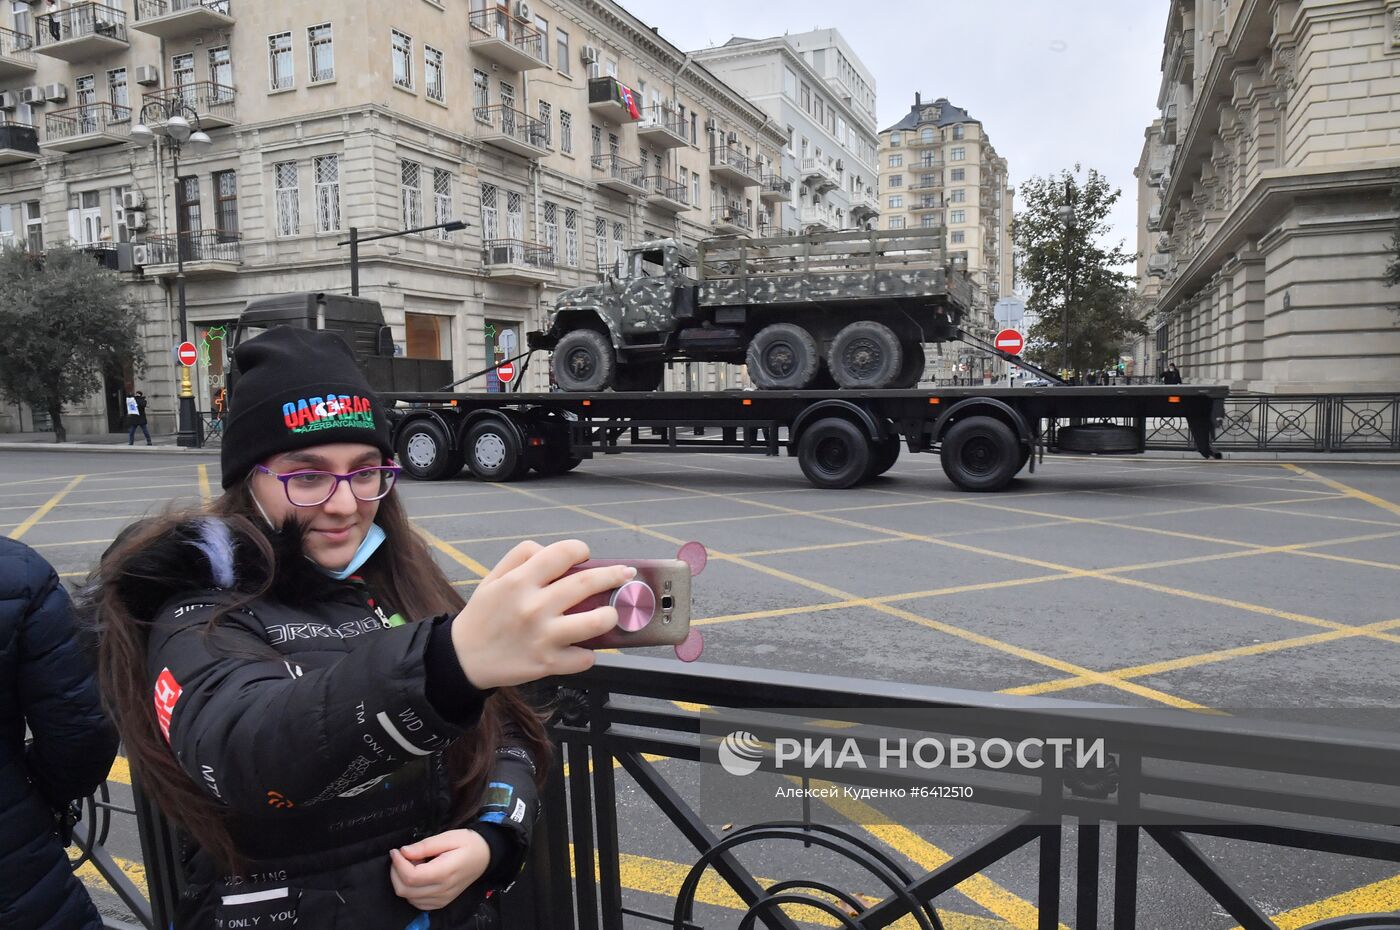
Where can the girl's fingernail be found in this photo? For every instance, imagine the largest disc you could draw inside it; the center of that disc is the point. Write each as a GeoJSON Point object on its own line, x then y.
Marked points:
{"type": "Point", "coordinates": [631, 572]}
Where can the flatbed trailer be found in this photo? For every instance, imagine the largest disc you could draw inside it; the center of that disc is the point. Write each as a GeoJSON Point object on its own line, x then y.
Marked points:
{"type": "Point", "coordinates": [984, 435]}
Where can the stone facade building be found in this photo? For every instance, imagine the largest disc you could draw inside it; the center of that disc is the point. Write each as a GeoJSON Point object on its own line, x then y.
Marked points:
{"type": "Point", "coordinates": [1265, 212]}
{"type": "Point", "coordinates": [561, 131]}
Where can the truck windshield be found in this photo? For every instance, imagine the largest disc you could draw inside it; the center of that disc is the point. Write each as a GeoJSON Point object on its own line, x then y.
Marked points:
{"type": "Point", "coordinates": [649, 264]}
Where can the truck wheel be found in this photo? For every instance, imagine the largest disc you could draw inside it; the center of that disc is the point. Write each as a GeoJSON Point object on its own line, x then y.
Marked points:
{"type": "Point", "coordinates": [866, 355]}
{"type": "Point", "coordinates": [493, 452]}
{"type": "Point", "coordinates": [912, 371]}
{"type": "Point", "coordinates": [783, 357]}
{"type": "Point", "coordinates": [834, 453]}
{"type": "Point", "coordinates": [639, 376]}
{"type": "Point", "coordinates": [584, 361]}
{"type": "Point", "coordinates": [883, 456]}
{"type": "Point", "coordinates": [425, 453]}
{"type": "Point", "coordinates": [981, 454]}
{"type": "Point", "coordinates": [558, 464]}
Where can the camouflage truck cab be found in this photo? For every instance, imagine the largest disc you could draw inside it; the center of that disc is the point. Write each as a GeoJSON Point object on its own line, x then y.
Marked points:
{"type": "Point", "coordinates": [854, 309]}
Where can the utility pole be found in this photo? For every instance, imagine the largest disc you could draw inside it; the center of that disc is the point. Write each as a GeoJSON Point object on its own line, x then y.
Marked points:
{"type": "Point", "coordinates": [1067, 217]}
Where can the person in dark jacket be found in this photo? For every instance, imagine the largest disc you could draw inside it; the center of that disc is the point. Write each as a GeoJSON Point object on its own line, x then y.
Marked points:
{"type": "Point", "coordinates": [136, 417]}
{"type": "Point", "coordinates": [1171, 375]}
{"type": "Point", "coordinates": [48, 685]}
{"type": "Point", "coordinates": [305, 694]}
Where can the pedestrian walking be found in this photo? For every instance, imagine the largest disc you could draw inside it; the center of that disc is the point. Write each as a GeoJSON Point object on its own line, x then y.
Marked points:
{"type": "Point", "coordinates": [1171, 375]}
{"type": "Point", "coordinates": [49, 687]}
{"type": "Point", "coordinates": [304, 693]}
{"type": "Point", "coordinates": [136, 416]}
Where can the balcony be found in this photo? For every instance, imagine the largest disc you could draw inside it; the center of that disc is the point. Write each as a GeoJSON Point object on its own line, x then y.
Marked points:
{"type": "Point", "coordinates": [508, 40]}
{"type": "Point", "coordinates": [86, 127]}
{"type": "Point", "coordinates": [864, 205]}
{"type": "Point", "coordinates": [1154, 218]}
{"type": "Point", "coordinates": [774, 188]}
{"type": "Point", "coordinates": [618, 174]}
{"type": "Point", "coordinates": [612, 100]}
{"type": "Point", "coordinates": [204, 252]}
{"type": "Point", "coordinates": [732, 219]}
{"type": "Point", "coordinates": [19, 143]}
{"type": "Point", "coordinates": [517, 260]}
{"type": "Point", "coordinates": [932, 182]}
{"type": "Point", "coordinates": [925, 204]}
{"type": "Point", "coordinates": [663, 128]}
{"type": "Point", "coordinates": [817, 219]}
{"type": "Point", "coordinates": [512, 130]}
{"type": "Point", "coordinates": [213, 102]}
{"type": "Point", "coordinates": [821, 176]}
{"type": "Point", "coordinates": [1159, 266]}
{"type": "Point", "coordinates": [667, 194]}
{"type": "Point", "coordinates": [81, 32]}
{"type": "Point", "coordinates": [769, 231]}
{"type": "Point", "coordinates": [732, 165]}
{"type": "Point", "coordinates": [16, 54]}
{"type": "Point", "coordinates": [174, 19]}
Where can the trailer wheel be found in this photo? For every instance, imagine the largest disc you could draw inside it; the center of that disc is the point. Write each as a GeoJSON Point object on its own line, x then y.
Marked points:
{"type": "Point", "coordinates": [493, 452]}
{"type": "Point", "coordinates": [834, 453]}
{"type": "Point", "coordinates": [783, 357]}
{"type": "Point", "coordinates": [639, 376]}
{"type": "Point", "coordinates": [866, 355]}
{"type": "Point", "coordinates": [584, 361]}
{"type": "Point", "coordinates": [981, 454]}
{"type": "Point", "coordinates": [557, 464]}
{"type": "Point", "coordinates": [426, 454]}
{"type": "Point", "coordinates": [883, 456]}
{"type": "Point", "coordinates": [913, 370]}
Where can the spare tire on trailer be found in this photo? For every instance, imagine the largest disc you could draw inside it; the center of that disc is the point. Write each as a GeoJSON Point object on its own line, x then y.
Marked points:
{"type": "Point", "coordinates": [913, 370]}
{"type": "Point", "coordinates": [834, 453]}
{"type": "Point", "coordinates": [981, 453]}
{"type": "Point", "coordinates": [783, 357]}
{"type": "Point", "coordinates": [1098, 439]}
{"type": "Point", "coordinates": [584, 361]}
{"type": "Point", "coordinates": [865, 355]}
{"type": "Point", "coordinates": [425, 452]}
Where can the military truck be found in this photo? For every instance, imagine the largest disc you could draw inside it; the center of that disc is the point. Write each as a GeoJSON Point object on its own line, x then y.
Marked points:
{"type": "Point", "coordinates": [847, 309]}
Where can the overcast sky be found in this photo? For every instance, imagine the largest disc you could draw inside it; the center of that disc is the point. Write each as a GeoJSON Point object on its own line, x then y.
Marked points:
{"type": "Point", "coordinates": [1054, 82]}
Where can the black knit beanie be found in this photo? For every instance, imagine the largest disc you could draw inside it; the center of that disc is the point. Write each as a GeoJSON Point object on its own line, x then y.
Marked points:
{"type": "Point", "coordinates": [297, 388]}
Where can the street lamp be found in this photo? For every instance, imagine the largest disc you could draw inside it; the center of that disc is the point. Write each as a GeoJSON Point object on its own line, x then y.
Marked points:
{"type": "Point", "coordinates": [173, 116]}
{"type": "Point", "coordinates": [1067, 218]}
{"type": "Point", "coordinates": [355, 240]}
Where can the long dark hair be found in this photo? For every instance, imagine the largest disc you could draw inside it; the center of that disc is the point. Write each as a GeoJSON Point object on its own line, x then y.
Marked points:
{"type": "Point", "coordinates": [128, 588]}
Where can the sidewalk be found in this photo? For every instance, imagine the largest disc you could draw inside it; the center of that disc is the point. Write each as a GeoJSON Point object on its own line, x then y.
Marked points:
{"type": "Point", "coordinates": [99, 442]}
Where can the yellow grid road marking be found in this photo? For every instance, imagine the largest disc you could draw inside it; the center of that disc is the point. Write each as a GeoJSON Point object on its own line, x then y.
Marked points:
{"type": "Point", "coordinates": [1322, 516]}
{"type": "Point", "coordinates": [1382, 897]}
{"type": "Point", "coordinates": [1347, 489]}
{"type": "Point", "coordinates": [135, 871]}
{"type": "Point", "coordinates": [205, 494]}
{"type": "Point", "coordinates": [457, 555]}
{"type": "Point", "coordinates": [48, 505]}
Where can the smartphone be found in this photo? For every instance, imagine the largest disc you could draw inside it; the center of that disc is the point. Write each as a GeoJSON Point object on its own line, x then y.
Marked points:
{"type": "Point", "coordinates": [653, 608]}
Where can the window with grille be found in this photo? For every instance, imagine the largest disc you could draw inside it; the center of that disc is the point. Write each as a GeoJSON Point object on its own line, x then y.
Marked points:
{"type": "Point", "coordinates": [600, 241]}
{"type": "Point", "coordinates": [327, 171]}
{"type": "Point", "coordinates": [34, 226]}
{"type": "Point", "coordinates": [411, 188]}
{"type": "Point", "coordinates": [117, 90]}
{"type": "Point", "coordinates": [288, 196]}
{"type": "Point", "coordinates": [566, 132]}
{"type": "Point", "coordinates": [279, 60]}
{"type": "Point", "coordinates": [481, 92]}
{"type": "Point", "coordinates": [182, 74]}
{"type": "Point", "coordinates": [571, 242]}
{"type": "Point", "coordinates": [595, 135]}
{"type": "Point", "coordinates": [442, 200]}
{"type": "Point", "coordinates": [434, 83]}
{"type": "Point", "coordinates": [490, 223]}
{"type": "Point", "coordinates": [515, 216]}
{"type": "Point", "coordinates": [618, 245]}
{"type": "Point", "coordinates": [551, 230]}
{"type": "Point", "coordinates": [547, 118]}
{"type": "Point", "coordinates": [226, 204]}
{"type": "Point", "coordinates": [320, 44]}
{"type": "Point", "coordinates": [402, 55]}
{"type": "Point", "coordinates": [507, 90]}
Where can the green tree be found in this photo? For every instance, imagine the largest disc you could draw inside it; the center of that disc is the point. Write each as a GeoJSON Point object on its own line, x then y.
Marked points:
{"type": "Point", "coordinates": [66, 320]}
{"type": "Point", "coordinates": [1059, 235]}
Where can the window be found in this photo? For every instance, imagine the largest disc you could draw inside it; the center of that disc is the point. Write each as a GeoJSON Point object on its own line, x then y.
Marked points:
{"type": "Point", "coordinates": [896, 180]}
{"type": "Point", "coordinates": [790, 83]}
{"type": "Point", "coordinates": [958, 237]}
{"type": "Point", "coordinates": [481, 91]}
{"type": "Point", "coordinates": [279, 61]}
{"type": "Point", "coordinates": [958, 196]}
{"type": "Point", "coordinates": [561, 48]}
{"type": "Point", "coordinates": [551, 230]}
{"type": "Point", "coordinates": [566, 132]}
{"type": "Point", "coordinates": [595, 133]}
{"type": "Point", "coordinates": [571, 237]}
{"type": "Point", "coordinates": [433, 83]}
{"type": "Point", "coordinates": [423, 335]}
{"type": "Point", "coordinates": [490, 218]}
{"type": "Point", "coordinates": [515, 217]}
{"type": "Point", "coordinates": [957, 132]}
{"type": "Point", "coordinates": [957, 154]}
{"type": "Point", "coordinates": [320, 48]}
{"type": "Point", "coordinates": [896, 201]}
{"type": "Point", "coordinates": [442, 200]}
{"type": "Point", "coordinates": [182, 72]}
{"type": "Point", "coordinates": [117, 90]}
{"type": "Point", "coordinates": [957, 216]}
{"type": "Point", "coordinates": [33, 226]}
{"type": "Point", "coordinates": [928, 221]}
{"type": "Point", "coordinates": [896, 138]}
{"type": "Point", "coordinates": [221, 75]}
{"type": "Point", "coordinates": [187, 205]}
{"type": "Point", "coordinates": [327, 171]}
{"type": "Point", "coordinates": [806, 98]}
{"type": "Point", "coordinates": [7, 229]}
{"type": "Point", "coordinates": [226, 205]}
{"type": "Point", "coordinates": [547, 118]}
{"type": "Point", "coordinates": [619, 241]}
{"type": "Point", "coordinates": [411, 192]}
{"type": "Point", "coordinates": [695, 189]}
{"type": "Point", "coordinates": [928, 135]}
{"type": "Point", "coordinates": [896, 222]}
{"type": "Point", "coordinates": [402, 55]}
{"type": "Point", "coordinates": [896, 161]}
{"type": "Point", "coordinates": [611, 67]}
{"type": "Point", "coordinates": [542, 25]}
{"type": "Point", "coordinates": [600, 242]}
{"type": "Point", "coordinates": [288, 205]}
{"type": "Point", "coordinates": [957, 174]}
{"type": "Point", "coordinates": [507, 95]}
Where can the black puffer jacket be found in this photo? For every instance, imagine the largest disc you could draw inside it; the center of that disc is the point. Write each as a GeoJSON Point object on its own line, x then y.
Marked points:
{"type": "Point", "coordinates": [46, 683]}
{"type": "Point", "coordinates": [319, 721]}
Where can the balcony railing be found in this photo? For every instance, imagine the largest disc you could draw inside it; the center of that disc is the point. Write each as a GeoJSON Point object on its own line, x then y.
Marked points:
{"type": "Point", "coordinates": [499, 252]}
{"type": "Point", "coordinates": [94, 119]}
{"type": "Point", "coordinates": [19, 142]}
{"type": "Point", "coordinates": [204, 245]}
{"type": "Point", "coordinates": [79, 21]}
{"type": "Point", "coordinates": [16, 52]}
{"type": "Point", "coordinates": [663, 127]}
{"type": "Point", "coordinates": [934, 182]}
{"type": "Point", "coordinates": [775, 186]}
{"type": "Point", "coordinates": [507, 39]}
{"type": "Point", "coordinates": [734, 163]}
{"type": "Point", "coordinates": [173, 19]}
{"type": "Point", "coordinates": [619, 173]}
{"type": "Point", "coordinates": [520, 132]}
{"type": "Point", "coordinates": [213, 102]}
{"type": "Point", "coordinates": [154, 9]}
{"type": "Point", "coordinates": [613, 100]}
{"type": "Point", "coordinates": [733, 215]}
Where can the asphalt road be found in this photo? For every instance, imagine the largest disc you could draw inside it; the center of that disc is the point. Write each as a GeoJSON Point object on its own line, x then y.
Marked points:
{"type": "Point", "coordinates": [1195, 584]}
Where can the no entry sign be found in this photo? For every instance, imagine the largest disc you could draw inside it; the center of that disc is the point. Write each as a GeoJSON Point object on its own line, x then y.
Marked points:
{"type": "Point", "coordinates": [1009, 340]}
{"type": "Point", "coordinates": [506, 372]}
{"type": "Point", "coordinates": [187, 354]}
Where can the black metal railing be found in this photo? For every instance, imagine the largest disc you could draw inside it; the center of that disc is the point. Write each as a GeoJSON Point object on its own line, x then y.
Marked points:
{"type": "Point", "coordinates": [206, 98]}
{"type": "Point", "coordinates": [79, 21]}
{"type": "Point", "coordinates": [510, 122]}
{"type": "Point", "coordinates": [204, 245]}
{"type": "Point", "coordinates": [668, 188]}
{"type": "Point", "coordinates": [87, 120]}
{"type": "Point", "coordinates": [659, 117]}
{"type": "Point", "coordinates": [497, 252]}
{"type": "Point", "coordinates": [16, 46]}
{"type": "Point", "coordinates": [502, 25]}
{"type": "Point", "coordinates": [19, 137]}
{"type": "Point", "coordinates": [731, 215]}
{"type": "Point", "coordinates": [620, 169]}
{"type": "Point", "coordinates": [776, 184]}
{"type": "Point", "coordinates": [1293, 423]}
{"type": "Point", "coordinates": [154, 9]}
{"type": "Point", "coordinates": [722, 156]}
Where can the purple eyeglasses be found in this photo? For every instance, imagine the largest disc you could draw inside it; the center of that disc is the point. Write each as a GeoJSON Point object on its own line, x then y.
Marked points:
{"type": "Point", "coordinates": [310, 488]}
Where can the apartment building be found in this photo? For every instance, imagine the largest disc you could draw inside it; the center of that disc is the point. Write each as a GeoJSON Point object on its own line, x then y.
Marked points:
{"type": "Point", "coordinates": [560, 132]}
{"type": "Point", "coordinates": [814, 87]}
{"type": "Point", "coordinates": [1265, 194]}
{"type": "Point", "coordinates": [939, 170]}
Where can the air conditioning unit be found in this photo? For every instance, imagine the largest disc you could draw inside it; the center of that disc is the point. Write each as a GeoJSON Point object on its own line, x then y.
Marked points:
{"type": "Point", "coordinates": [9, 100]}
{"type": "Point", "coordinates": [133, 200]}
{"type": "Point", "coordinates": [135, 219]}
{"type": "Point", "coordinates": [34, 96]}
{"type": "Point", "coordinates": [141, 254]}
{"type": "Point", "coordinates": [732, 138]}
{"type": "Point", "coordinates": [524, 11]}
{"type": "Point", "coordinates": [55, 93]}
{"type": "Point", "coordinates": [711, 125]}
{"type": "Point", "coordinates": [148, 75]}
{"type": "Point", "coordinates": [840, 165]}
{"type": "Point", "coordinates": [590, 55]}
